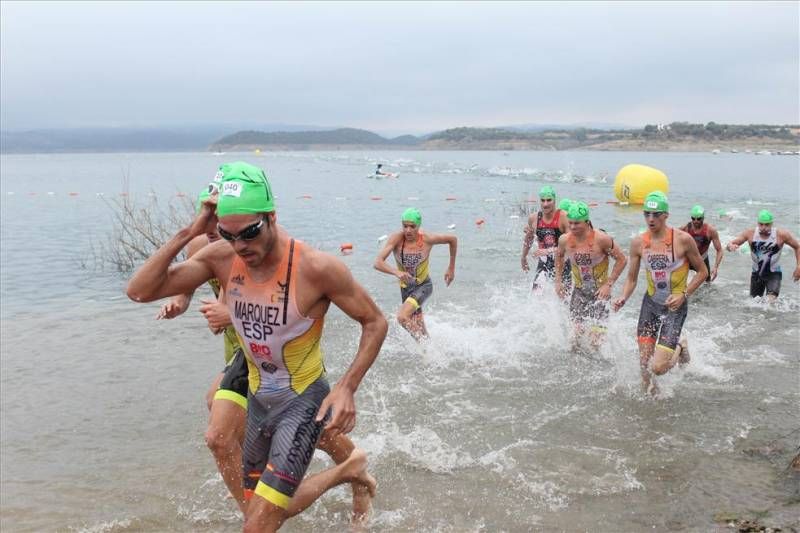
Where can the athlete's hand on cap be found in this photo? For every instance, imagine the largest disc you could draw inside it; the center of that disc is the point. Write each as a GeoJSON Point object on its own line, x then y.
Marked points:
{"type": "Point", "coordinates": [217, 314]}
{"type": "Point", "coordinates": [618, 303]}
{"type": "Point", "coordinates": [206, 219]}
{"type": "Point", "coordinates": [449, 276]}
{"type": "Point", "coordinates": [343, 409]}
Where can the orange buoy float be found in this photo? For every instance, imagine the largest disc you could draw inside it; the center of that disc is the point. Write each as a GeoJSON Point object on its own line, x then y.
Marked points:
{"type": "Point", "coordinates": [450, 199]}
{"type": "Point", "coordinates": [71, 194]}
{"type": "Point", "coordinates": [593, 204]}
{"type": "Point", "coordinates": [346, 248]}
{"type": "Point", "coordinates": [376, 197]}
{"type": "Point", "coordinates": [480, 222]}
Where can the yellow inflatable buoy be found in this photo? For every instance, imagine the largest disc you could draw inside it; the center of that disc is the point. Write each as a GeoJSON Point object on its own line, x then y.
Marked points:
{"type": "Point", "coordinates": [634, 182]}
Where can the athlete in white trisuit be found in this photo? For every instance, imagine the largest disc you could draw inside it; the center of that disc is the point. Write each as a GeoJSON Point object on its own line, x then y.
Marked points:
{"type": "Point", "coordinates": [766, 243]}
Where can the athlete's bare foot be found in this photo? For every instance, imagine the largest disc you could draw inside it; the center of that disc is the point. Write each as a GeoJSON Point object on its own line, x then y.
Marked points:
{"type": "Point", "coordinates": [683, 356]}
{"type": "Point", "coordinates": [364, 485]}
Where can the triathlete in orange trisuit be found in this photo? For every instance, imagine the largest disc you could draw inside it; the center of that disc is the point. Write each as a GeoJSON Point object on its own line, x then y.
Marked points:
{"type": "Point", "coordinates": [412, 248]}
{"type": "Point", "coordinates": [667, 254]}
{"type": "Point", "coordinates": [278, 291]}
{"type": "Point", "coordinates": [588, 251]}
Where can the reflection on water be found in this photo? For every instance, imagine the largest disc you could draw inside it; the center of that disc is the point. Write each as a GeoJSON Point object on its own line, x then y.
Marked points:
{"type": "Point", "coordinates": [494, 424]}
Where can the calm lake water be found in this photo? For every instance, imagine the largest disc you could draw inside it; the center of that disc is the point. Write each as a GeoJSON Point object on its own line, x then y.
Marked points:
{"type": "Point", "coordinates": [494, 425]}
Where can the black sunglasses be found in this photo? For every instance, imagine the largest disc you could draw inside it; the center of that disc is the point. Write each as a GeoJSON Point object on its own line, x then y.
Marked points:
{"type": "Point", "coordinates": [697, 218]}
{"type": "Point", "coordinates": [655, 214]}
{"type": "Point", "coordinates": [247, 234]}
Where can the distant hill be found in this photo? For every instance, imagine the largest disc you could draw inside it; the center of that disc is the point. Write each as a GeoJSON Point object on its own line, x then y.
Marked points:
{"type": "Point", "coordinates": [307, 139]}
{"type": "Point", "coordinates": [177, 138]}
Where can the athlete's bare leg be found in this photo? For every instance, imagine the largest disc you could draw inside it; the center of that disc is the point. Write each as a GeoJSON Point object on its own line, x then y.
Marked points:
{"type": "Point", "coordinates": [414, 325]}
{"type": "Point", "coordinates": [339, 449]}
{"type": "Point", "coordinates": [683, 353]}
{"type": "Point", "coordinates": [263, 516]}
{"type": "Point", "coordinates": [646, 349]}
{"type": "Point", "coordinates": [664, 359]}
{"type": "Point", "coordinates": [224, 438]}
{"type": "Point", "coordinates": [212, 390]}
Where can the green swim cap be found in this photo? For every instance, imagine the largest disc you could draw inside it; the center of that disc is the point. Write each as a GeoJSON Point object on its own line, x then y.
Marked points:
{"type": "Point", "coordinates": [578, 212]}
{"type": "Point", "coordinates": [765, 217]}
{"type": "Point", "coordinates": [698, 211]}
{"type": "Point", "coordinates": [243, 190]}
{"type": "Point", "coordinates": [564, 204]}
{"type": "Point", "coordinates": [412, 214]}
{"type": "Point", "coordinates": [656, 201]}
{"type": "Point", "coordinates": [547, 192]}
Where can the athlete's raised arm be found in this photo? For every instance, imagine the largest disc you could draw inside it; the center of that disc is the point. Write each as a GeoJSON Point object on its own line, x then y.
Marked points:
{"type": "Point", "coordinates": [452, 242]}
{"type": "Point", "coordinates": [157, 278]}
{"type": "Point", "coordinates": [336, 283]}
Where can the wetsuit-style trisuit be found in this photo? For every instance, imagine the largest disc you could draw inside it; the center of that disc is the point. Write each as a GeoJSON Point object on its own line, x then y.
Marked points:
{"type": "Point", "coordinates": [233, 386]}
{"type": "Point", "coordinates": [703, 240]}
{"type": "Point", "coordinates": [589, 273]}
{"type": "Point", "coordinates": [765, 253]}
{"type": "Point", "coordinates": [547, 234]}
{"type": "Point", "coordinates": [287, 377]}
{"type": "Point", "coordinates": [665, 276]}
{"type": "Point", "coordinates": [414, 260]}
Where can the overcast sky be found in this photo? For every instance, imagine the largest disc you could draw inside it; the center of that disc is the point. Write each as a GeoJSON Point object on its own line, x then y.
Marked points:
{"type": "Point", "coordinates": [407, 67]}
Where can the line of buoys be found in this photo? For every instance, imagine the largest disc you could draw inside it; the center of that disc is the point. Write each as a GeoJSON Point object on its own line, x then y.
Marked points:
{"type": "Point", "coordinates": [346, 248]}
{"type": "Point", "coordinates": [479, 222]}
{"type": "Point", "coordinates": [376, 198]}
{"type": "Point", "coordinates": [593, 204]}
{"type": "Point", "coordinates": [450, 198]}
